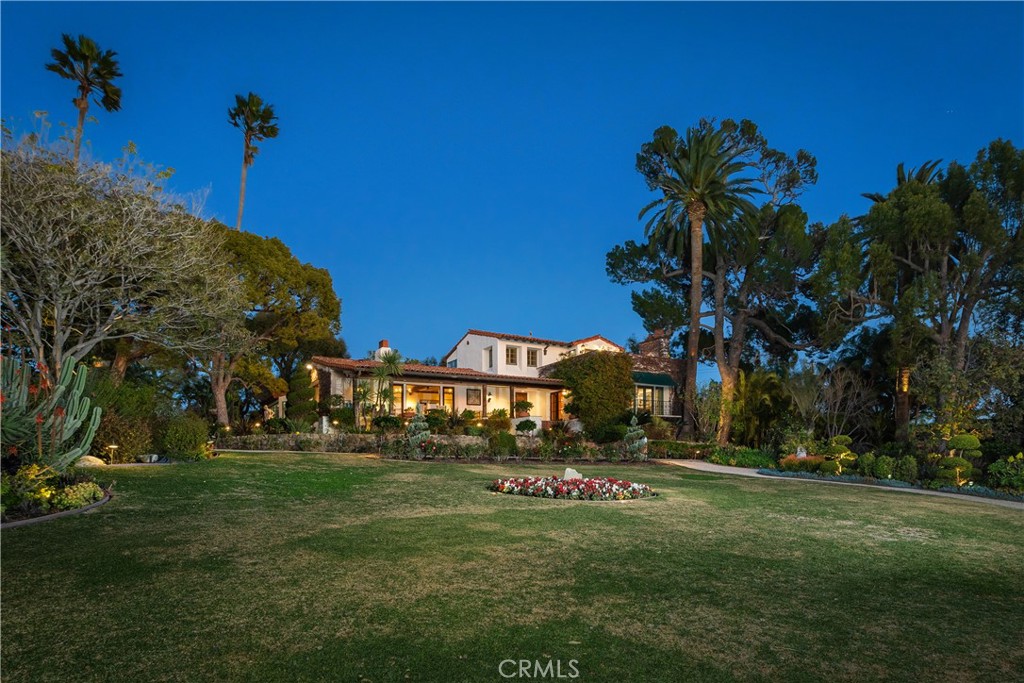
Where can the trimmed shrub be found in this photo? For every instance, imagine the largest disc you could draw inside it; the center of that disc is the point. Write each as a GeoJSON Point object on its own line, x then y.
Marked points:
{"type": "Point", "coordinates": [741, 457]}
{"type": "Point", "coordinates": [965, 446]}
{"type": "Point", "coordinates": [185, 437]}
{"type": "Point", "coordinates": [954, 471]}
{"type": "Point", "coordinates": [610, 433]}
{"type": "Point", "coordinates": [301, 407]}
{"type": "Point", "coordinates": [437, 421]}
{"type": "Point", "coordinates": [601, 386]}
{"type": "Point", "coordinates": [498, 421]}
{"type": "Point", "coordinates": [280, 425]}
{"type": "Point", "coordinates": [503, 444]}
{"type": "Point", "coordinates": [866, 465]}
{"type": "Point", "coordinates": [884, 467]}
{"type": "Point", "coordinates": [679, 449]}
{"type": "Point", "coordinates": [526, 426]}
{"type": "Point", "coordinates": [829, 467]}
{"type": "Point", "coordinates": [133, 437]}
{"type": "Point", "coordinates": [906, 468]}
{"type": "Point", "coordinates": [791, 463]}
{"type": "Point", "coordinates": [387, 423]}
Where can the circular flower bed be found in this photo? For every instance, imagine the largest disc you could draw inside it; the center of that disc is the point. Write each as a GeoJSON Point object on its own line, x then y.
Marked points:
{"type": "Point", "coordinates": [572, 489]}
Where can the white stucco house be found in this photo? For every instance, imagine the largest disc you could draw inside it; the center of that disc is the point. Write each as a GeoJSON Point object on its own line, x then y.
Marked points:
{"type": "Point", "coordinates": [486, 371]}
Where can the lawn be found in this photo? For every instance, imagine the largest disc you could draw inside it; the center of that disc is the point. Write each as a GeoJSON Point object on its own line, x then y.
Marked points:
{"type": "Point", "coordinates": [346, 568]}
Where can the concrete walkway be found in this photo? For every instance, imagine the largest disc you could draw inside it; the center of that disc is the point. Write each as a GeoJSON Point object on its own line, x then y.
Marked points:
{"type": "Point", "coordinates": [702, 466]}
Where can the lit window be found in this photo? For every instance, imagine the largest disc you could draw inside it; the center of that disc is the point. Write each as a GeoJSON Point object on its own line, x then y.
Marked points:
{"type": "Point", "coordinates": [531, 358]}
{"type": "Point", "coordinates": [453, 363]}
{"type": "Point", "coordinates": [511, 355]}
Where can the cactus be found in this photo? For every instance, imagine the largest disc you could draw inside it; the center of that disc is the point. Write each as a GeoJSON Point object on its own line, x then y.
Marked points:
{"type": "Point", "coordinates": [636, 441]}
{"type": "Point", "coordinates": [50, 424]}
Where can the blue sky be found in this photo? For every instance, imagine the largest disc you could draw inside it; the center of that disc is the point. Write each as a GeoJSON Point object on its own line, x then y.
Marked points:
{"type": "Point", "coordinates": [469, 165]}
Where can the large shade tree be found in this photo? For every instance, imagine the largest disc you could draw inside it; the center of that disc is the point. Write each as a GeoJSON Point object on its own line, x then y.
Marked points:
{"type": "Point", "coordinates": [94, 71]}
{"type": "Point", "coordinates": [257, 122]}
{"type": "Point", "coordinates": [698, 177]}
{"type": "Point", "coordinates": [95, 253]}
{"type": "Point", "coordinates": [280, 294]}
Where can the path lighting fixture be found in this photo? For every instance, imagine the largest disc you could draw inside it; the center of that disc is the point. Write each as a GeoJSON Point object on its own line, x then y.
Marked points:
{"type": "Point", "coordinates": [256, 425]}
{"type": "Point", "coordinates": [112, 447]}
{"type": "Point", "coordinates": [309, 366]}
{"type": "Point", "coordinates": [479, 424]}
{"type": "Point", "coordinates": [334, 422]}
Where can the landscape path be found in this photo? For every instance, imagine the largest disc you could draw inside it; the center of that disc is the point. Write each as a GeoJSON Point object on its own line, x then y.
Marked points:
{"type": "Point", "coordinates": [747, 472]}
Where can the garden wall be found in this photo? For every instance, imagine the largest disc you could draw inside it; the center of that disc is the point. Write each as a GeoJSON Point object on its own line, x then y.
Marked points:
{"type": "Point", "coordinates": [328, 443]}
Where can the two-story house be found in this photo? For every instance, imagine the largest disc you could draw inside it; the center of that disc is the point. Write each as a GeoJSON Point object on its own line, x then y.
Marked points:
{"type": "Point", "coordinates": [486, 371]}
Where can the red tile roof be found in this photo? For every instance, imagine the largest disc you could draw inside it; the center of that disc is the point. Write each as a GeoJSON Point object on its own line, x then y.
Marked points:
{"type": "Point", "coordinates": [528, 339]}
{"type": "Point", "coordinates": [436, 371]}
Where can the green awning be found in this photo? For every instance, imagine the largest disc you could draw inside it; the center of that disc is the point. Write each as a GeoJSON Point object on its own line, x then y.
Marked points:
{"type": "Point", "coordinates": [657, 379]}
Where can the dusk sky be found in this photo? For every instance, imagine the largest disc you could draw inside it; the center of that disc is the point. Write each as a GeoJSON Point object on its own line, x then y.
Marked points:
{"type": "Point", "coordinates": [465, 165]}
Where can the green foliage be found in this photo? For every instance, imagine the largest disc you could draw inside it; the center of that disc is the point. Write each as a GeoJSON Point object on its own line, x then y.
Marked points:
{"type": "Point", "coordinates": [301, 406]}
{"type": "Point", "coordinates": [611, 433]}
{"type": "Point", "coordinates": [186, 437]}
{"type": "Point", "coordinates": [635, 441]}
{"type": "Point", "coordinates": [417, 434]}
{"type": "Point", "coordinates": [497, 422]}
{"type": "Point", "coordinates": [601, 386]}
{"type": "Point", "coordinates": [954, 471]}
{"type": "Point", "coordinates": [791, 463]}
{"type": "Point", "coordinates": [29, 490]}
{"type": "Point", "coordinates": [884, 467]}
{"type": "Point", "coordinates": [51, 424]}
{"type": "Point", "coordinates": [502, 445]}
{"type": "Point", "coordinates": [678, 449]}
{"type": "Point", "coordinates": [741, 457]}
{"type": "Point", "coordinates": [132, 437]}
{"type": "Point", "coordinates": [659, 430]}
{"type": "Point", "coordinates": [906, 469]}
{"type": "Point", "coordinates": [842, 441]}
{"type": "Point", "coordinates": [759, 407]}
{"type": "Point", "coordinates": [76, 496]}
{"type": "Point", "coordinates": [830, 467]}
{"type": "Point", "coordinates": [526, 426]}
{"type": "Point", "coordinates": [966, 445]}
{"type": "Point", "coordinates": [866, 464]}
{"type": "Point", "coordinates": [1008, 473]}
{"type": "Point", "coordinates": [280, 425]}
{"type": "Point", "coordinates": [437, 420]}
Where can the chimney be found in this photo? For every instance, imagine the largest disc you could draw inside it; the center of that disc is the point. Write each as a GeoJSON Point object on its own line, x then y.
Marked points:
{"type": "Point", "coordinates": [657, 344]}
{"type": "Point", "coordinates": [382, 344]}
{"type": "Point", "coordinates": [382, 348]}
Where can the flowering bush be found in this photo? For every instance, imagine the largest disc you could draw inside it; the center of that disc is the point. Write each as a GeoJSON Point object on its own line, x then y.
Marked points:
{"type": "Point", "coordinates": [572, 489]}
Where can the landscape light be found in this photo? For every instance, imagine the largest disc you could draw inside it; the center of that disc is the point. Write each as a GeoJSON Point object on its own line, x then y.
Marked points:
{"type": "Point", "coordinates": [309, 366]}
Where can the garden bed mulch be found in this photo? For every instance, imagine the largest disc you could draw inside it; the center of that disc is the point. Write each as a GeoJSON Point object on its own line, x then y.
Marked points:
{"type": "Point", "coordinates": [64, 513]}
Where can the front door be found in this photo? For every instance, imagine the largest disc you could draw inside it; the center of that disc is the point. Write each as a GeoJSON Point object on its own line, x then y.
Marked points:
{"type": "Point", "coordinates": [556, 406]}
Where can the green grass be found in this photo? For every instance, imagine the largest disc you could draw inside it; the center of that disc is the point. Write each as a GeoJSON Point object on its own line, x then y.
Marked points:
{"type": "Point", "coordinates": [343, 568]}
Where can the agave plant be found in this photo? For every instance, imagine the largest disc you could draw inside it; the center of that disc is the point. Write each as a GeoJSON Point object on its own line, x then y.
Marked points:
{"type": "Point", "coordinates": [51, 424]}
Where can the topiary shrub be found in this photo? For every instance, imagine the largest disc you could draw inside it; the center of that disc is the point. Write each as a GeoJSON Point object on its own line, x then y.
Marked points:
{"type": "Point", "coordinates": [884, 467]}
{"type": "Point", "coordinates": [742, 457]}
{"type": "Point", "coordinates": [866, 465]}
{"type": "Point", "coordinates": [611, 433]}
{"type": "Point", "coordinates": [906, 468]}
{"type": "Point", "coordinates": [635, 441]}
{"type": "Point", "coordinates": [132, 438]}
{"type": "Point", "coordinates": [829, 467]}
{"type": "Point", "coordinates": [954, 471]}
{"type": "Point", "coordinates": [526, 426]}
{"type": "Point", "coordinates": [186, 437]}
{"type": "Point", "coordinates": [301, 406]}
{"type": "Point", "coordinates": [965, 446]}
{"type": "Point", "coordinates": [437, 421]}
{"type": "Point", "coordinates": [498, 421]}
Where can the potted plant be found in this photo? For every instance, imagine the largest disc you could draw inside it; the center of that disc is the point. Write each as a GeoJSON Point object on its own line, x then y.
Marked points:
{"type": "Point", "coordinates": [522, 408]}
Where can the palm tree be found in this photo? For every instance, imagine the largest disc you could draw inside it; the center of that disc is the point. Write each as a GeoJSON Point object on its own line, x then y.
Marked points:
{"type": "Point", "coordinates": [257, 122]}
{"type": "Point", "coordinates": [699, 185]}
{"type": "Point", "coordinates": [391, 365]}
{"type": "Point", "coordinates": [94, 70]}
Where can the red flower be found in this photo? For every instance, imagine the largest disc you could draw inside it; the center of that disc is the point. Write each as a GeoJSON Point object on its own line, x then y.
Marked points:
{"type": "Point", "coordinates": [39, 418]}
{"type": "Point", "coordinates": [59, 411]}
{"type": "Point", "coordinates": [33, 390]}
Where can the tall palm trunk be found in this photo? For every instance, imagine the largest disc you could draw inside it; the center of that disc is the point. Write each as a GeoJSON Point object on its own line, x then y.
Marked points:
{"type": "Point", "coordinates": [241, 191]}
{"type": "Point", "coordinates": [696, 212]}
{"type": "Point", "coordinates": [82, 103]}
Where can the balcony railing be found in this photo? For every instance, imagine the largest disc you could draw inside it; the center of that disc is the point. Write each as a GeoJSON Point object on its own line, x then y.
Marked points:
{"type": "Point", "coordinates": [661, 408]}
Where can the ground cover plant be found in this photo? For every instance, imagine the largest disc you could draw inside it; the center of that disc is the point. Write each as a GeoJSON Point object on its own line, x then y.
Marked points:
{"type": "Point", "coordinates": [309, 567]}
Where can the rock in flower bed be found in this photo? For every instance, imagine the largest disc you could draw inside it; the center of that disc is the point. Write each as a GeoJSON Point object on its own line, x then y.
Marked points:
{"type": "Point", "coordinates": [598, 488]}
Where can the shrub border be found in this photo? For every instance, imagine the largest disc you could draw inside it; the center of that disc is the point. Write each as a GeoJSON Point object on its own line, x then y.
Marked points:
{"type": "Point", "coordinates": [964, 491]}
{"type": "Point", "coordinates": [54, 515]}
